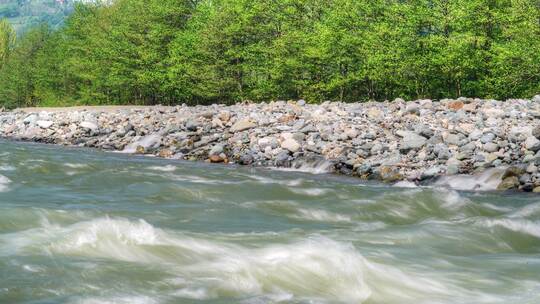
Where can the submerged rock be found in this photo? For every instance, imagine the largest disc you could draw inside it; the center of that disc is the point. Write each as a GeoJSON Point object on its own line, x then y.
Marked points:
{"type": "Point", "coordinates": [509, 183]}
{"type": "Point", "coordinates": [389, 174]}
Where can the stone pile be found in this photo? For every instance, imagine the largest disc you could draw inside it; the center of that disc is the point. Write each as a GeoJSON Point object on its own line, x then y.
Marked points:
{"type": "Point", "coordinates": [393, 141]}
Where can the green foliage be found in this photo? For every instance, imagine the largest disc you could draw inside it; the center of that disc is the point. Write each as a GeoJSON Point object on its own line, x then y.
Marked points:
{"type": "Point", "coordinates": [18, 76]}
{"type": "Point", "coordinates": [208, 51]}
{"type": "Point", "coordinates": [7, 40]}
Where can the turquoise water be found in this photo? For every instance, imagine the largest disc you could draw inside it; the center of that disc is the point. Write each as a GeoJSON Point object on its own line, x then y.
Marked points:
{"type": "Point", "coordinates": [81, 226]}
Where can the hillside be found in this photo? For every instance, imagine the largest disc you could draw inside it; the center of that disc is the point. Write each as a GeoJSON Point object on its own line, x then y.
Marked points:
{"type": "Point", "coordinates": [26, 13]}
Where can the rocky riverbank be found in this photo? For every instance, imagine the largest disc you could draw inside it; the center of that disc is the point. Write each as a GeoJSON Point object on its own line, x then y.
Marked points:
{"type": "Point", "coordinates": [416, 141]}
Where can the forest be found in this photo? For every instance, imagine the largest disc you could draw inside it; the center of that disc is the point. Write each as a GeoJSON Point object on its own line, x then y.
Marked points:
{"type": "Point", "coordinates": [226, 51]}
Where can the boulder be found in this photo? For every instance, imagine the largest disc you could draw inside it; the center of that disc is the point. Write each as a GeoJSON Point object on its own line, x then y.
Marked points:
{"type": "Point", "coordinates": [509, 183]}
{"type": "Point", "coordinates": [532, 144]}
{"type": "Point", "coordinates": [389, 174]}
{"type": "Point", "coordinates": [216, 150]}
{"type": "Point", "coordinates": [291, 145]}
{"type": "Point", "coordinates": [411, 141]}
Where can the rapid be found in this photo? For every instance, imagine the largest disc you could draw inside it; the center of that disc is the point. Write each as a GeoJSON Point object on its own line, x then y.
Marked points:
{"type": "Point", "coordinates": [84, 226]}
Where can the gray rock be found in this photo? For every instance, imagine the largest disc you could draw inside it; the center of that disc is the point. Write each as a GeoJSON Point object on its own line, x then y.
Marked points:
{"type": "Point", "coordinates": [411, 141]}
{"type": "Point", "coordinates": [364, 169]}
{"type": "Point", "coordinates": [487, 138]}
{"type": "Point", "coordinates": [536, 131]}
{"type": "Point", "coordinates": [475, 135]}
{"type": "Point", "coordinates": [441, 151]}
{"type": "Point", "coordinates": [525, 178]}
{"type": "Point", "coordinates": [491, 147]}
{"type": "Point", "coordinates": [246, 159]}
{"type": "Point", "coordinates": [470, 147]}
{"type": "Point", "coordinates": [412, 108]}
{"type": "Point", "coordinates": [463, 155]}
{"type": "Point", "coordinates": [282, 159]}
{"type": "Point", "coordinates": [532, 144]}
{"type": "Point", "coordinates": [452, 166]}
{"type": "Point", "coordinates": [452, 139]}
{"type": "Point", "coordinates": [192, 125]}
{"type": "Point", "coordinates": [216, 150]}
{"type": "Point", "coordinates": [377, 147]}
{"type": "Point", "coordinates": [271, 142]}
{"type": "Point", "coordinates": [431, 172]}
{"type": "Point", "coordinates": [424, 130]}
{"type": "Point", "coordinates": [536, 98]}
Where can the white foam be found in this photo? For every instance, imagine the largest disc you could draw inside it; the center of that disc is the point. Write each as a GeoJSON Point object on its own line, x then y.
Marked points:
{"type": "Point", "coordinates": [32, 268]}
{"type": "Point", "coordinates": [321, 215]}
{"type": "Point", "coordinates": [7, 168]}
{"type": "Point", "coordinates": [527, 211]}
{"type": "Point", "coordinates": [316, 268]}
{"type": "Point", "coordinates": [75, 165]}
{"type": "Point", "coordinates": [193, 293]}
{"type": "Point", "coordinates": [4, 183]}
{"type": "Point", "coordinates": [485, 181]}
{"type": "Point", "coordinates": [118, 300]}
{"type": "Point", "coordinates": [369, 226]}
{"type": "Point", "coordinates": [308, 165]}
{"type": "Point", "coordinates": [405, 184]}
{"type": "Point", "coordinates": [310, 191]}
{"type": "Point", "coordinates": [452, 200]}
{"type": "Point", "coordinates": [167, 168]}
{"type": "Point", "coordinates": [531, 228]}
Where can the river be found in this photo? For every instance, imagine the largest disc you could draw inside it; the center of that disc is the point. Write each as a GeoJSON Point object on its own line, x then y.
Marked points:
{"type": "Point", "coordinates": [83, 226]}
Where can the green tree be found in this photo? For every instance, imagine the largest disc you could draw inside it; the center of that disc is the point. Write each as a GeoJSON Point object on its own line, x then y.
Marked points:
{"type": "Point", "coordinates": [7, 40]}
{"type": "Point", "coordinates": [17, 75]}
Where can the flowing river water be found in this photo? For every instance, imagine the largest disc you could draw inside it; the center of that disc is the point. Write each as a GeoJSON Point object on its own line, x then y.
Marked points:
{"type": "Point", "coordinates": [82, 226]}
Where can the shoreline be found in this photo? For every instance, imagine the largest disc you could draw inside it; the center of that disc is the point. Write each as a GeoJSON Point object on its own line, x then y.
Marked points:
{"type": "Point", "coordinates": [416, 142]}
